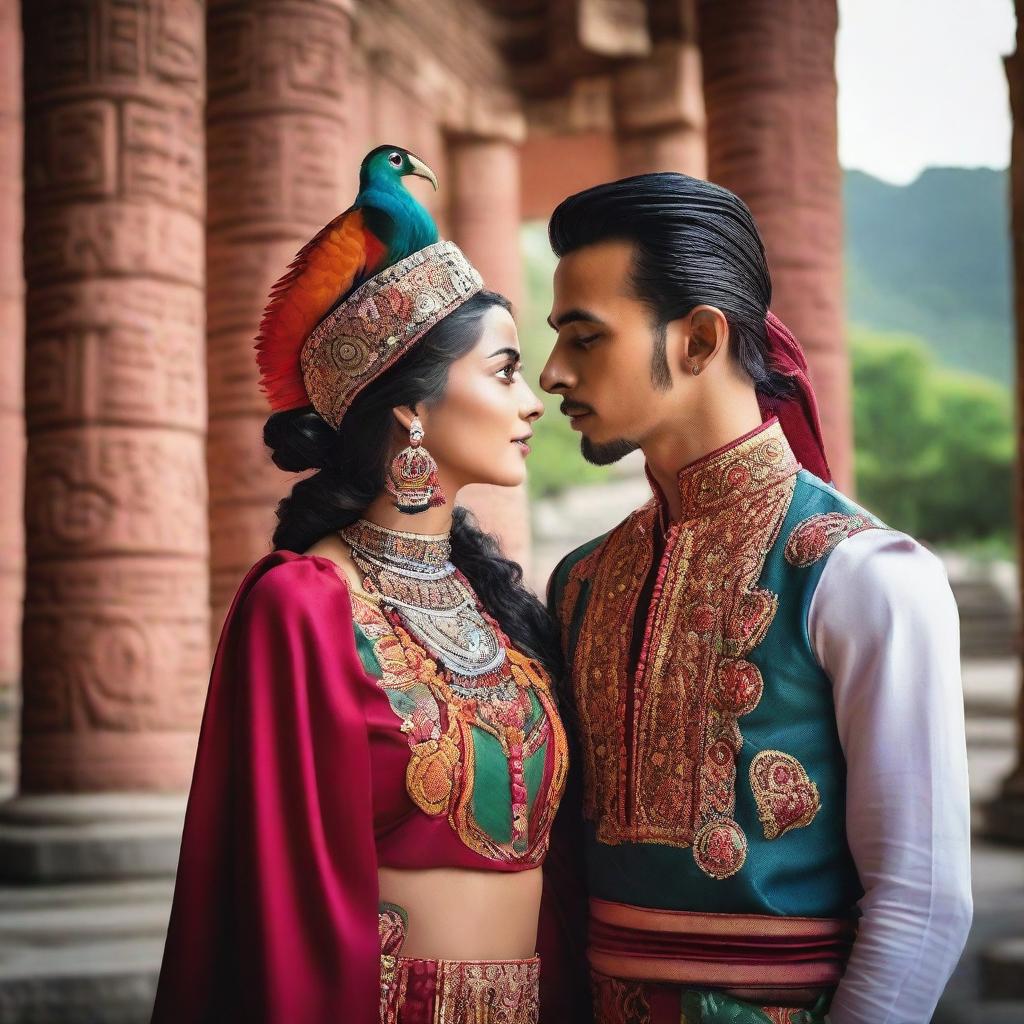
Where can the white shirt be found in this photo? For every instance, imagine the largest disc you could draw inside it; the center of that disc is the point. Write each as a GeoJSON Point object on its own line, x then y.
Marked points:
{"type": "Point", "coordinates": [884, 626]}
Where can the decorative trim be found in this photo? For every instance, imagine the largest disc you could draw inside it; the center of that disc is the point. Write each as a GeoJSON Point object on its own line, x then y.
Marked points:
{"type": "Point", "coordinates": [819, 535]}
{"type": "Point", "coordinates": [666, 773]}
{"type": "Point", "coordinates": [379, 322]}
{"type": "Point", "coordinates": [439, 723]}
{"type": "Point", "coordinates": [786, 797]}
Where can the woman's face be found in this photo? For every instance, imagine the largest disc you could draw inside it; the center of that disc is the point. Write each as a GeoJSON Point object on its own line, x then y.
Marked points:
{"type": "Point", "coordinates": [479, 431]}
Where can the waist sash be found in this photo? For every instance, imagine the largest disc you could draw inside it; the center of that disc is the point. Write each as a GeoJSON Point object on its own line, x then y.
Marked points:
{"type": "Point", "coordinates": [718, 950]}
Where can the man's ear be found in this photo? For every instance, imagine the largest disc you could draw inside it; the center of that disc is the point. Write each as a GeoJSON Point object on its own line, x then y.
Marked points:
{"type": "Point", "coordinates": [708, 335]}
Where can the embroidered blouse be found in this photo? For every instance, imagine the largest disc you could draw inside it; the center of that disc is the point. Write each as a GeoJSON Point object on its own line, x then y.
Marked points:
{"type": "Point", "coordinates": [331, 745]}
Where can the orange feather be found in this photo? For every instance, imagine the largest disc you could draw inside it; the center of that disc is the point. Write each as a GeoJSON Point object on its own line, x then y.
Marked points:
{"type": "Point", "coordinates": [324, 270]}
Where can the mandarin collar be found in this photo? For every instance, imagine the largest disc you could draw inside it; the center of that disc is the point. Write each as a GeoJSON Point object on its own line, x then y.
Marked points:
{"type": "Point", "coordinates": [735, 471]}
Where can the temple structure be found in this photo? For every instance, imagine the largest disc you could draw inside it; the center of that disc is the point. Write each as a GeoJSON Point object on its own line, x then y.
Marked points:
{"type": "Point", "coordinates": [160, 163]}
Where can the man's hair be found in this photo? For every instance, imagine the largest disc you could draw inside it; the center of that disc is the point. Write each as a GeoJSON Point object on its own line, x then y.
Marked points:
{"type": "Point", "coordinates": [695, 243]}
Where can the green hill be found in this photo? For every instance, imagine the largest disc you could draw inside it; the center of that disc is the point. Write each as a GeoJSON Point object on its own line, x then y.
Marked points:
{"type": "Point", "coordinates": [932, 258]}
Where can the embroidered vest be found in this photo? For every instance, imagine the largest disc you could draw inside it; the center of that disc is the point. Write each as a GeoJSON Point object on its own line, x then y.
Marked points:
{"type": "Point", "coordinates": [713, 775]}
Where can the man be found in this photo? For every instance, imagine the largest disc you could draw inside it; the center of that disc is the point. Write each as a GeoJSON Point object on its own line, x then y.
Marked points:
{"type": "Point", "coordinates": [766, 678]}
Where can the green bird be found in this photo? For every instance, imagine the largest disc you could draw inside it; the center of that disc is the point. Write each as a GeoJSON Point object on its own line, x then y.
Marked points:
{"type": "Point", "coordinates": [385, 224]}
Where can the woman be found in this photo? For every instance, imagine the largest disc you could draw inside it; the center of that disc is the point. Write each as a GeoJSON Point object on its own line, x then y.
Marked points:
{"type": "Point", "coordinates": [380, 757]}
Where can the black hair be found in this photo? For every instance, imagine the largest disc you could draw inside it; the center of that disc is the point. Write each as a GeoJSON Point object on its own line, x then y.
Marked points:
{"type": "Point", "coordinates": [350, 465]}
{"type": "Point", "coordinates": [695, 243]}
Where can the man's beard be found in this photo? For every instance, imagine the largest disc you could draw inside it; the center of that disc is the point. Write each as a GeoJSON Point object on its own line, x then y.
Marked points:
{"type": "Point", "coordinates": [606, 454]}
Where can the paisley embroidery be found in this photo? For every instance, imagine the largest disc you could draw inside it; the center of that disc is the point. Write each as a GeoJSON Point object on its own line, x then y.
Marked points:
{"type": "Point", "coordinates": [786, 797]}
{"type": "Point", "coordinates": [720, 848]}
{"type": "Point", "coordinates": [818, 536]}
{"type": "Point", "coordinates": [439, 725]}
{"type": "Point", "coordinates": [392, 926]}
{"type": "Point", "coordinates": [659, 744]}
{"type": "Point", "coordinates": [619, 1002]}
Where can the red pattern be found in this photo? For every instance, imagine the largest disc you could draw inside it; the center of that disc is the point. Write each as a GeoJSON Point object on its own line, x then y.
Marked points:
{"type": "Point", "coordinates": [819, 535]}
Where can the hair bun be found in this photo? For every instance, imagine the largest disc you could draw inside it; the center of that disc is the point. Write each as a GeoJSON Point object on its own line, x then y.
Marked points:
{"type": "Point", "coordinates": [298, 440]}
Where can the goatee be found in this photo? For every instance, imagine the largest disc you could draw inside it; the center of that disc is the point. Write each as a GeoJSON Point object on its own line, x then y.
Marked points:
{"type": "Point", "coordinates": [606, 454]}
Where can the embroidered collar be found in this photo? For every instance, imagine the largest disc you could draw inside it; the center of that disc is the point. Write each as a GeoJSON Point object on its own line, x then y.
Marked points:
{"type": "Point", "coordinates": [413, 550]}
{"type": "Point", "coordinates": [737, 470]}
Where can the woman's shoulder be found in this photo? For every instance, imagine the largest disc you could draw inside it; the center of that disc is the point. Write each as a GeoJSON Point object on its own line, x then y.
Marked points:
{"type": "Point", "coordinates": [292, 582]}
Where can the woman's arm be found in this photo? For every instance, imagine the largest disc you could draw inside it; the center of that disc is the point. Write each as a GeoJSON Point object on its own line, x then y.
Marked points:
{"type": "Point", "coordinates": [275, 907]}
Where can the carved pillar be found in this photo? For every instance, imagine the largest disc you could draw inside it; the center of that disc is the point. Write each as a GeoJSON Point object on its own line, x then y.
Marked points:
{"type": "Point", "coordinates": [485, 213]}
{"type": "Point", "coordinates": [770, 91]}
{"type": "Point", "coordinates": [1004, 817]}
{"type": "Point", "coordinates": [659, 113]}
{"type": "Point", "coordinates": [12, 341]}
{"type": "Point", "coordinates": [280, 163]}
{"type": "Point", "coordinates": [116, 622]}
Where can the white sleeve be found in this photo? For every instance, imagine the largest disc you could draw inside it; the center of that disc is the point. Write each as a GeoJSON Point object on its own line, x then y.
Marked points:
{"type": "Point", "coordinates": [884, 626]}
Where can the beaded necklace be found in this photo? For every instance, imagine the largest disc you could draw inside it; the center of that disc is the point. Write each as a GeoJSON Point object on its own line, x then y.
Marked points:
{"type": "Point", "coordinates": [424, 595]}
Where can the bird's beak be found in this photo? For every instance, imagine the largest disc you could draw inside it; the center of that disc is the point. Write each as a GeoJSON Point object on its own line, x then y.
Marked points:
{"type": "Point", "coordinates": [421, 170]}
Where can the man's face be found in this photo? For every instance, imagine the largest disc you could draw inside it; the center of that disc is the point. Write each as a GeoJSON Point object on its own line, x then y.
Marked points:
{"type": "Point", "coordinates": [601, 364]}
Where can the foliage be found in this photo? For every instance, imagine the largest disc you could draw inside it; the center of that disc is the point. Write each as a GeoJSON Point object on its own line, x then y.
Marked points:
{"type": "Point", "coordinates": [934, 448]}
{"type": "Point", "coordinates": [933, 258]}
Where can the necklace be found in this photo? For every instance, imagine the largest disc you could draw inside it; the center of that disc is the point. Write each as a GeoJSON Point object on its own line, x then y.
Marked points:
{"type": "Point", "coordinates": [412, 576]}
{"type": "Point", "coordinates": [488, 691]}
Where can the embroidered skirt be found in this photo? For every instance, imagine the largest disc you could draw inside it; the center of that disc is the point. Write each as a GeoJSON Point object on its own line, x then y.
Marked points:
{"type": "Point", "coordinates": [415, 991]}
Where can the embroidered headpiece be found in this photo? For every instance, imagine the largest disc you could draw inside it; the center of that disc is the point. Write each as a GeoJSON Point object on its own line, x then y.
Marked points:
{"type": "Point", "coordinates": [380, 321]}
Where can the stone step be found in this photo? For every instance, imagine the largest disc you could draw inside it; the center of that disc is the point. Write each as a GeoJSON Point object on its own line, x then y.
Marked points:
{"type": "Point", "coordinates": [82, 953]}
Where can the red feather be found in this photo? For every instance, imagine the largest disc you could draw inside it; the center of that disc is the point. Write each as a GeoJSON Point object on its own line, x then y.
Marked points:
{"type": "Point", "coordinates": [325, 269]}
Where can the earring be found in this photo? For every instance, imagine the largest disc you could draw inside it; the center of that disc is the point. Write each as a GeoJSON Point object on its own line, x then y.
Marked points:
{"type": "Point", "coordinates": [694, 369]}
{"type": "Point", "coordinates": [412, 476]}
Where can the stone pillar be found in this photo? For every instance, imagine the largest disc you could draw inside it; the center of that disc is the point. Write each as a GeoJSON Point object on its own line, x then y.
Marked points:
{"type": "Point", "coordinates": [116, 657]}
{"type": "Point", "coordinates": [12, 341]}
{"type": "Point", "coordinates": [659, 113]}
{"type": "Point", "coordinates": [280, 165]}
{"type": "Point", "coordinates": [770, 92]}
{"type": "Point", "coordinates": [1004, 817]}
{"type": "Point", "coordinates": [484, 214]}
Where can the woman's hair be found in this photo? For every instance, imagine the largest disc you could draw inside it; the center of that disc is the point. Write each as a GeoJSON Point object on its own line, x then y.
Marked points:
{"type": "Point", "coordinates": [350, 464]}
{"type": "Point", "coordinates": [695, 243]}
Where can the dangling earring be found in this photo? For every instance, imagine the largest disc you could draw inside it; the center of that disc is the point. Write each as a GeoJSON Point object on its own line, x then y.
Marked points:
{"type": "Point", "coordinates": [694, 369]}
{"type": "Point", "coordinates": [412, 476]}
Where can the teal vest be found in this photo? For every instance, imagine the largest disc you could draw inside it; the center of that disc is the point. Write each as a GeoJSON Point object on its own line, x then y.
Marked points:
{"type": "Point", "coordinates": [725, 790]}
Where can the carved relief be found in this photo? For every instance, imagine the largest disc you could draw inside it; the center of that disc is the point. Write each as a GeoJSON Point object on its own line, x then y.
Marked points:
{"type": "Point", "coordinates": [115, 633]}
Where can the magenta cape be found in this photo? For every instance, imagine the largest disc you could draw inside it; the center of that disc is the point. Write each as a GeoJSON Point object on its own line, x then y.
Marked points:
{"type": "Point", "coordinates": [275, 908]}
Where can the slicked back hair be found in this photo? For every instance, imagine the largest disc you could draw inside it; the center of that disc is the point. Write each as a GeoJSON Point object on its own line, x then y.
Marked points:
{"type": "Point", "coordinates": [694, 243]}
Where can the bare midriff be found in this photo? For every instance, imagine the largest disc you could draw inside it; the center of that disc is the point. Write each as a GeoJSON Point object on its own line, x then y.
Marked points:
{"type": "Point", "coordinates": [461, 914]}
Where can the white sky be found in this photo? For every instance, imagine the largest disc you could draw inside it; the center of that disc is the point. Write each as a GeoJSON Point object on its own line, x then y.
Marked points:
{"type": "Point", "coordinates": [921, 84]}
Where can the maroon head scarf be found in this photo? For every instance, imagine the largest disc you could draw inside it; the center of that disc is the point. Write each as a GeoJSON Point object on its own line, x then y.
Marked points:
{"type": "Point", "coordinates": [798, 414]}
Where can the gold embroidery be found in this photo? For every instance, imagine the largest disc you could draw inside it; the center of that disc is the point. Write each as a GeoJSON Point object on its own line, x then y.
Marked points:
{"type": "Point", "coordinates": [439, 725]}
{"type": "Point", "coordinates": [460, 991]}
{"type": "Point", "coordinates": [660, 748]}
{"type": "Point", "coordinates": [786, 797]}
{"type": "Point", "coordinates": [619, 1002]}
{"type": "Point", "coordinates": [819, 535]}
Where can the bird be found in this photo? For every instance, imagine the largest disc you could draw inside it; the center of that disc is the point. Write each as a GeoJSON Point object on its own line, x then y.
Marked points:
{"type": "Point", "coordinates": [383, 225]}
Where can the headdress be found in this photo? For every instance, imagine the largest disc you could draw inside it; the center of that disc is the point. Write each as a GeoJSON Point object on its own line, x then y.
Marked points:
{"type": "Point", "coordinates": [798, 414]}
{"type": "Point", "coordinates": [375, 325]}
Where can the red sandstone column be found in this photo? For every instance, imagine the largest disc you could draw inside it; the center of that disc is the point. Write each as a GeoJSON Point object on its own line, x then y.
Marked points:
{"type": "Point", "coordinates": [12, 428]}
{"type": "Point", "coordinates": [484, 214]}
{"type": "Point", "coordinates": [659, 113]}
{"type": "Point", "coordinates": [770, 91]}
{"type": "Point", "coordinates": [281, 163]}
{"type": "Point", "coordinates": [116, 656]}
